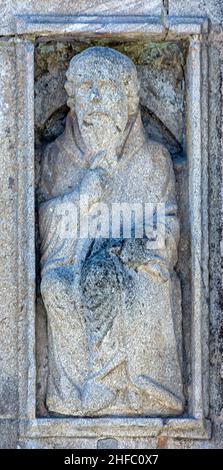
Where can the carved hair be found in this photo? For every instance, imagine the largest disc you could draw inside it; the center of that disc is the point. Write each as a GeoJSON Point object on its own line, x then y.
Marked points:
{"type": "Point", "coordinates": [121, 68]}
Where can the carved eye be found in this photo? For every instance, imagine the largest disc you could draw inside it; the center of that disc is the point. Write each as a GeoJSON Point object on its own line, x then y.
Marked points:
{"type": "Point", "coordinates": [105, 84]}
{"type": "Point", "coordinates": [85, 86]}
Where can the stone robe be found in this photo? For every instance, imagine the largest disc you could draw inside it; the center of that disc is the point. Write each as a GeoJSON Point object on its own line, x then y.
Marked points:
{"type": "Point", "coordinates": [114, 316]}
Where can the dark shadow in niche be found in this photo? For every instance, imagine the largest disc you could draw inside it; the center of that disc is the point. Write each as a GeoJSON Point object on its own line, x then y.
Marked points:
{"type": "Point", "coordinates": [161, 69]}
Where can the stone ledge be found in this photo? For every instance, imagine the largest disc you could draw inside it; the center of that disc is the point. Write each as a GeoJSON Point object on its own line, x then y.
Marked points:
{"type": "Point", "coordinates": [115, 427]}
{"type": "Point", "coordinates": [9, 8]}
{"type": "Point", "coordinates": [185, 26]}
{"type": "Point", "coordinates": [98, 25]}
{"type": "Point", "coordinates": [135, 27]}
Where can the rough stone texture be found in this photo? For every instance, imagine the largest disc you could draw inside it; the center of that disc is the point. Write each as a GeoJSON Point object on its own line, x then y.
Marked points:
{"type": "Point", "coordinates": [8, 246]}
{"type": "Point", "coordinates": [216, 305]}
{"type": "Point", "coordinates": [9, 9]}
{"type": "Point", "coordinates": [102, 294]}
{"type": "Point", "coordinates": [213, 9]}
{"type": "Point", "coordinates": [90, 7]}
{"type": "Point", "coordinates": [7, 21]}
{"type": "Point", "coordinates": [8, 434]}
{"type": "Point", "coordinates": [14, 262]}
{"type": "Point", "coordinates": [156, 64]}
{"type": "Point", "coordinates": [89, 444]}
{"type": "Point", "coordinates": [183, 198]}
{"type": "Point", "coordinates": [8, 265]}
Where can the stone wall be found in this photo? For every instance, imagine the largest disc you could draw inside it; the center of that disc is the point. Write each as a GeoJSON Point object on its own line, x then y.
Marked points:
{"type": "Point", "coordinates": [161, 62]}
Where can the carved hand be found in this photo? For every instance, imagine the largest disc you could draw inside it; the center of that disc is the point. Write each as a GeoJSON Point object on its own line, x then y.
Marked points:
{"type": "Point", "coordinates": [92, 185]}
{"type": "Point", "coordinates": [135, 254]}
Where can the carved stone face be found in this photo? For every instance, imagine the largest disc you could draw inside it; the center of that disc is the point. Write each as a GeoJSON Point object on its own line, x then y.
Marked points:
{"type": "Point", "coordinates": [102, 110]}
{"type": "Point", "coordinates": [99, 98]}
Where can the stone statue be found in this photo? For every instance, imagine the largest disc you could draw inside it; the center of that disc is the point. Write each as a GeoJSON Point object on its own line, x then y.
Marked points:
{"type": "Point", "coordinates": [113, 325]}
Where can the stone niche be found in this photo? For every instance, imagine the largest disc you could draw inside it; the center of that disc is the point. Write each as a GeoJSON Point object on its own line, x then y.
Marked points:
{"type": "Point", "coordinates": [161, 68]}
{"type": "Point", "coordinates": [172, 74]}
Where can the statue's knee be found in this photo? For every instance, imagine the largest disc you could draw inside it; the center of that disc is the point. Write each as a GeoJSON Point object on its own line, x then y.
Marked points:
{"type": "Point", "coordinates": [101, 270]}
{"type": "Point", "coordinates": [52, 285]}
{"type": "Point", "coordinates": [99, 282]}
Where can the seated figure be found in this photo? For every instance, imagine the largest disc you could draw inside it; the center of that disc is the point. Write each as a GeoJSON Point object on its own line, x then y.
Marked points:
{"type": "Point", "coordinates": [113, 325]}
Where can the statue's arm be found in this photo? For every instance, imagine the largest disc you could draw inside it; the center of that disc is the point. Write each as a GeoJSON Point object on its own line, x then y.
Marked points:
{"type": "Point", "coordinates": [57, 229]}
{"type": "Point", "coordinates": [58, 222]}
{"type": "Point", "coordinates": [158, 259]}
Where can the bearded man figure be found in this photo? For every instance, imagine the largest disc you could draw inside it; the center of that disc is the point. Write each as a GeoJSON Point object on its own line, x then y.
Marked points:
{"type": "Point", "coordinates": [112, 301]}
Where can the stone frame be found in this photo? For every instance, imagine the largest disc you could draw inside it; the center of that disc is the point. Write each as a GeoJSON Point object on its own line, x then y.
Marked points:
{"type": "Point", "coordinates": [195, 426]}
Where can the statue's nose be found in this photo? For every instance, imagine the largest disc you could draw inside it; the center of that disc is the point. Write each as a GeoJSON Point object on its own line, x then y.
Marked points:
{"type": "Point", "coordinates": [95, 95]}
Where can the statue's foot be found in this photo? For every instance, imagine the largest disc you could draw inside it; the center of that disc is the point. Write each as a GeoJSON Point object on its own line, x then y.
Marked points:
{"type": "Point", "coordinates": [96, 396]}
{"type": "Point", "coordinates": [157, 398]}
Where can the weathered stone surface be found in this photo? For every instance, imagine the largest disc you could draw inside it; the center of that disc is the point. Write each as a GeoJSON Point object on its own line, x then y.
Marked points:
{"type": "Point", "coordinates": [8, 234]}
{"type": "Point", "coordinates": [157, 63]}
{"type": "Point", "coordinates": [53, 443]}
{"type": "Point", "coordinates": [8, 248]}
{"type": "Point", "coordinates": [215, 201]}
{"type": "Point", "coordinates": [67, 7]}
{"type": "Point", "coordinates": [94, 288]}
{"type": "Point", "coordinates": [52, 59]}
{"type": "Point", "coordinates": [8, 434]}
{"type": "Point", "coordinates": [159, 122]}
{"type": "Point", "coordinates": [181, 184]}
{"type": "Point", "coordinates": [10, 9]}
{"type": "Point", "coordinates": [213, 9]}
{"type": "Point", "coordinates": [107, 444]}
{"type": "Point", "coordinates": [7, 20]}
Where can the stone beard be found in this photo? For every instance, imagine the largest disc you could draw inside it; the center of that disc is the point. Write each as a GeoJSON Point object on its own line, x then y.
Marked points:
{"type": "Point", "coordinates": [113, 305]}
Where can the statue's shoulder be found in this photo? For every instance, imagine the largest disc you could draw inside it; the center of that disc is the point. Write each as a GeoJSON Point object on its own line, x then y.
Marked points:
{"type": "Point", "coordinates": [52, 155]}
{"type": "Point", "coordinates": [58, 168]}
{"type": "Point", "coordinates": [160, 160]}
{"type": "Point", "coordinates": [50, 165]}
{"type": "Point", "coordinates": [159, 155]}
